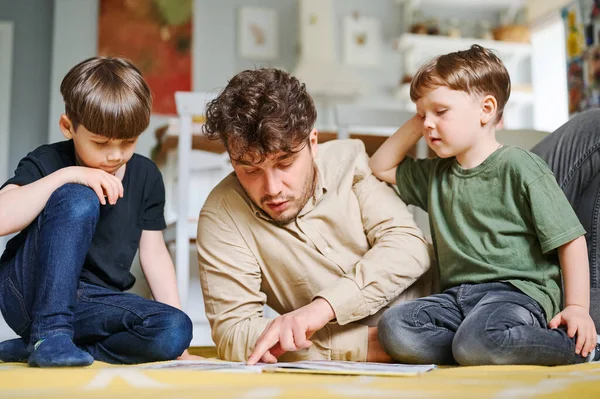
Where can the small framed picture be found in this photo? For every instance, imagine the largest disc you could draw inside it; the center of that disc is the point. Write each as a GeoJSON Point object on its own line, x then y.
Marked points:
{"type": "Point", "coordinates": [258, 33]}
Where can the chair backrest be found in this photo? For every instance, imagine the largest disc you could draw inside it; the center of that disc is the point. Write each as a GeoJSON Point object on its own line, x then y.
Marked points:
{"type": "Point", "coordinates": [192, 103]}
{"type": "Point", "coordinates": [366, 119]}
{"type": "Point", "coordinates": [189, 104]}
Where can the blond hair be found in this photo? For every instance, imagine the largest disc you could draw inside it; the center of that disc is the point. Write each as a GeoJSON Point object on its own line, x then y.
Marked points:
{"type": "Point", "coordinates": [474, 71]}
{"type": "Point", "coordinates": [108, 96]}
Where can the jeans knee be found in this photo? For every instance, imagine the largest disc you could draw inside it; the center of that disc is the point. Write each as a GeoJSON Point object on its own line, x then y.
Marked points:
{"type": "Point", "coordinates": [471, 347]}
{"type": "Point", "coordinates": [465, 351]}
{"type": "Point", "coordinates": [75, 203]}
{"type": "Point", "coordinates": [173, 337]}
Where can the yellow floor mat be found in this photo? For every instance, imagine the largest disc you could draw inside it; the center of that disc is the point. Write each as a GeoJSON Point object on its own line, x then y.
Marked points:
{"type": "Point", "coordinates": [102, 380]}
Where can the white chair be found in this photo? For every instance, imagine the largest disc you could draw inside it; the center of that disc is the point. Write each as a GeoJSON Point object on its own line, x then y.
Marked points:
{"type": "Point", "coordinates": [194, 169]}
{"type": "Point", "coordinates": [366, 119]}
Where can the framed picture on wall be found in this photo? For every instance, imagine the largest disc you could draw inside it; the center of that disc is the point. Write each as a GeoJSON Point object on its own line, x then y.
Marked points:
{"type": "Point", "coordinates": [257, 33]}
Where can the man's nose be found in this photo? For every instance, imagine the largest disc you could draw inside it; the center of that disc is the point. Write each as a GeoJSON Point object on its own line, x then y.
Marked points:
{"type": "Point", "coordinates": [272, 184]}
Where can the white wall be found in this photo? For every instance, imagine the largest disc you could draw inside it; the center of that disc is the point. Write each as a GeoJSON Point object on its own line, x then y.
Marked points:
{"type": "Point", "coordinates": [30, 82]}
{"type": "Point", "coordinates": [539, 9]}
{"type": "Point", "coordinates": [6, 42]}
{"type": "Point", "coordinates": [75, 38]}
{"type": "Point", "coordinates": [551, 100]}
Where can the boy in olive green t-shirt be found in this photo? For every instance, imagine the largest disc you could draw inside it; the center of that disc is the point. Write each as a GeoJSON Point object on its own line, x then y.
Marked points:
{"type": "Point", "coordinates": [502, 230]}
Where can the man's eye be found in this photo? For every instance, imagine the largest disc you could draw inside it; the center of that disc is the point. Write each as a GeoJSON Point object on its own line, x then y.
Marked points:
{"type": "Point", "coordinates": [441, 112]}
{"type": "Point", "coordinates": [101, 144]}
{"type": "Point", "coordinates": [285, 165]}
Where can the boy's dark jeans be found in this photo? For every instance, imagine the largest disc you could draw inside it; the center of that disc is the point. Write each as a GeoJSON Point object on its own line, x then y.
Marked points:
{"type": "Point", "coordinates": [573, 154]}
{"type": "Point", "coordinates": [41, 295]}
{"type": "Point", "coordinates": [474, 324]}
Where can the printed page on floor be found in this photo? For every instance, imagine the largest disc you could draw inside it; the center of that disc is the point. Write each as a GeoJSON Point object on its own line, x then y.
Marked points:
{"type": "Point", "coordinates": [351, 368]}
{"type": "Point", "coordinates": [312, 367]}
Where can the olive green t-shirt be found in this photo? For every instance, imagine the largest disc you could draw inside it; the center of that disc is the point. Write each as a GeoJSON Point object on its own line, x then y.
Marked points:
{"type": "Point", "coordinates": [499, 221]}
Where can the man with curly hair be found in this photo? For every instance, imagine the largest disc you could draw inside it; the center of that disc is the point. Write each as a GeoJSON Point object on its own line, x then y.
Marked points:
{"type": "Point", "coordinates": [302, 227]}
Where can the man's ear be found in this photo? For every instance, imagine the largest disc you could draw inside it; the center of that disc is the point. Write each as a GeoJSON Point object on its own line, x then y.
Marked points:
{"type": "Point", "coordinates": [66, 126]}
{"type": "Point", "coordinates": [489, 108]}
{"type": "Point", "coordinates": [313, 139]}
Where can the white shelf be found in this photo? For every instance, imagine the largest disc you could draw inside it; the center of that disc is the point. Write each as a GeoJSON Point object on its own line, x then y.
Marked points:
{"type": "Point", "coordinates": [437, 44]}
{"type": "Point", "coordinates": [493, 5]}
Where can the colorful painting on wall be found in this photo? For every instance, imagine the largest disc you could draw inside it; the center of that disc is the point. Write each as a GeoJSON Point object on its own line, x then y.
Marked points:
{"type": "Point", "coordinates": [582, 33]}
{"type": "Point", "coordinates": [156, 35]}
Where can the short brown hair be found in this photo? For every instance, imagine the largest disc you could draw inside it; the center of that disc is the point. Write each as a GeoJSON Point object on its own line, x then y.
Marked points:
{"type": "Point", "coordinates": [108, 96]}
{"type": "Point", "coordinates": [474, 71]}
{"type": "Point", "coordinates": [261, 112]}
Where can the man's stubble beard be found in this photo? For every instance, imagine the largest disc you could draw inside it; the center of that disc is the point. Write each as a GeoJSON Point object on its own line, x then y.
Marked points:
{"type": "Point", "coordinates": [307, 192]}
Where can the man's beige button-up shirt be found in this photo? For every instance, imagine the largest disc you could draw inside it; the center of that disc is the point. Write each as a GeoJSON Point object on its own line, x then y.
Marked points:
{"type": "Point", "coordinates": [354, 243]}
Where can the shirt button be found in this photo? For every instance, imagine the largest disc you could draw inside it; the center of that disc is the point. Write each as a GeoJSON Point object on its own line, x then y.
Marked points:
{"type": "Point", "coordinates": [327, 250]}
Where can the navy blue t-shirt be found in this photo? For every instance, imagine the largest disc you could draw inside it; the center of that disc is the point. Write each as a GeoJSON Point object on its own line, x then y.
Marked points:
{"type": "Point", "coordinates": [117, 236]}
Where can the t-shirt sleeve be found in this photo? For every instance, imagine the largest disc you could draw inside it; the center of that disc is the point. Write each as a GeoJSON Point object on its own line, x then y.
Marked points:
{"type": "Point", "coordinates": [28, 171]}
{"type": "Point", "coordinates": [412, 180]}
{"type": "Point", "coordinates": [154, 202]}
{"type": "Point", "coordinates": [554, 219]}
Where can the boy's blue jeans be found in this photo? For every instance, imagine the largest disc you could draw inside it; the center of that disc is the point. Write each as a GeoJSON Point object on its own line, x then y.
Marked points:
{"type": "Point", "coordinates": [41, 294]}
{"type": "Point", "coordinates": [474, 324]}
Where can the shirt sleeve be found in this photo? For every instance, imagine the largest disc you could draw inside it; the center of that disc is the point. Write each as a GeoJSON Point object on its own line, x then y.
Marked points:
{"type": "Point", "coordinates": [28, 171]}
{"type": "Point", "coordinates": [554, 219]}
{"type": "Point", "coordinates": [230, 278]}
{"type": "Point", "coordinates": [397, 258]}
{"type": "Point", "coordinates": [412, 180]}
{"type": "Point", "coordinates": [154, 202]}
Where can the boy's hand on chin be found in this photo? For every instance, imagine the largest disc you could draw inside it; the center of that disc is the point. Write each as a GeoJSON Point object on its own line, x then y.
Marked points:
{"type": "Point", "coordinates": [578, 322]}
{"type": "Point", "coordinates": [106, 186]}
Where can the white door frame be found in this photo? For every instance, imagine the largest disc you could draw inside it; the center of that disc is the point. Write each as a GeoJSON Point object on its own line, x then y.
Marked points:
{"type": "Point", "coordinates": [6, 47]}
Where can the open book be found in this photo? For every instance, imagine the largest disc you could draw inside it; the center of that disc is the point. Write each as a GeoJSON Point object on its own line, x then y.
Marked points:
{"type": "Point", "coordinates": [308, 366]}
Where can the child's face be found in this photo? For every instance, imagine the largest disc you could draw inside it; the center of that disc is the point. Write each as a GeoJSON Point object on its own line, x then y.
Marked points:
{"type": "Point", "coordinates": [96, 151]}
{"type": "Point", "coordinates": [451, 120]}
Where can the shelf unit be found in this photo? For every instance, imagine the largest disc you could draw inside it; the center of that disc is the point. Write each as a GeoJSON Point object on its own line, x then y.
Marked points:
{"type": "Point", "coordinates": [417, 49]}
{"type": "Point", "coordinates": [510, 7]}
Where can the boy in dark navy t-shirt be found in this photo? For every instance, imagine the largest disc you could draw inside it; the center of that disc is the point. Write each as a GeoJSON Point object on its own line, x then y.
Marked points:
{"type": "Point", "coordinates": [82, 208]}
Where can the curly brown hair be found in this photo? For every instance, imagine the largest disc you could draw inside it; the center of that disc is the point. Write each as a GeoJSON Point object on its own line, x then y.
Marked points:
{"type": "Point", "coordinates": [108, 96]}
{"type": "Point", "coordinates": [261, 112]}
{"type": "Point", "coordinates": [476, 70]}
